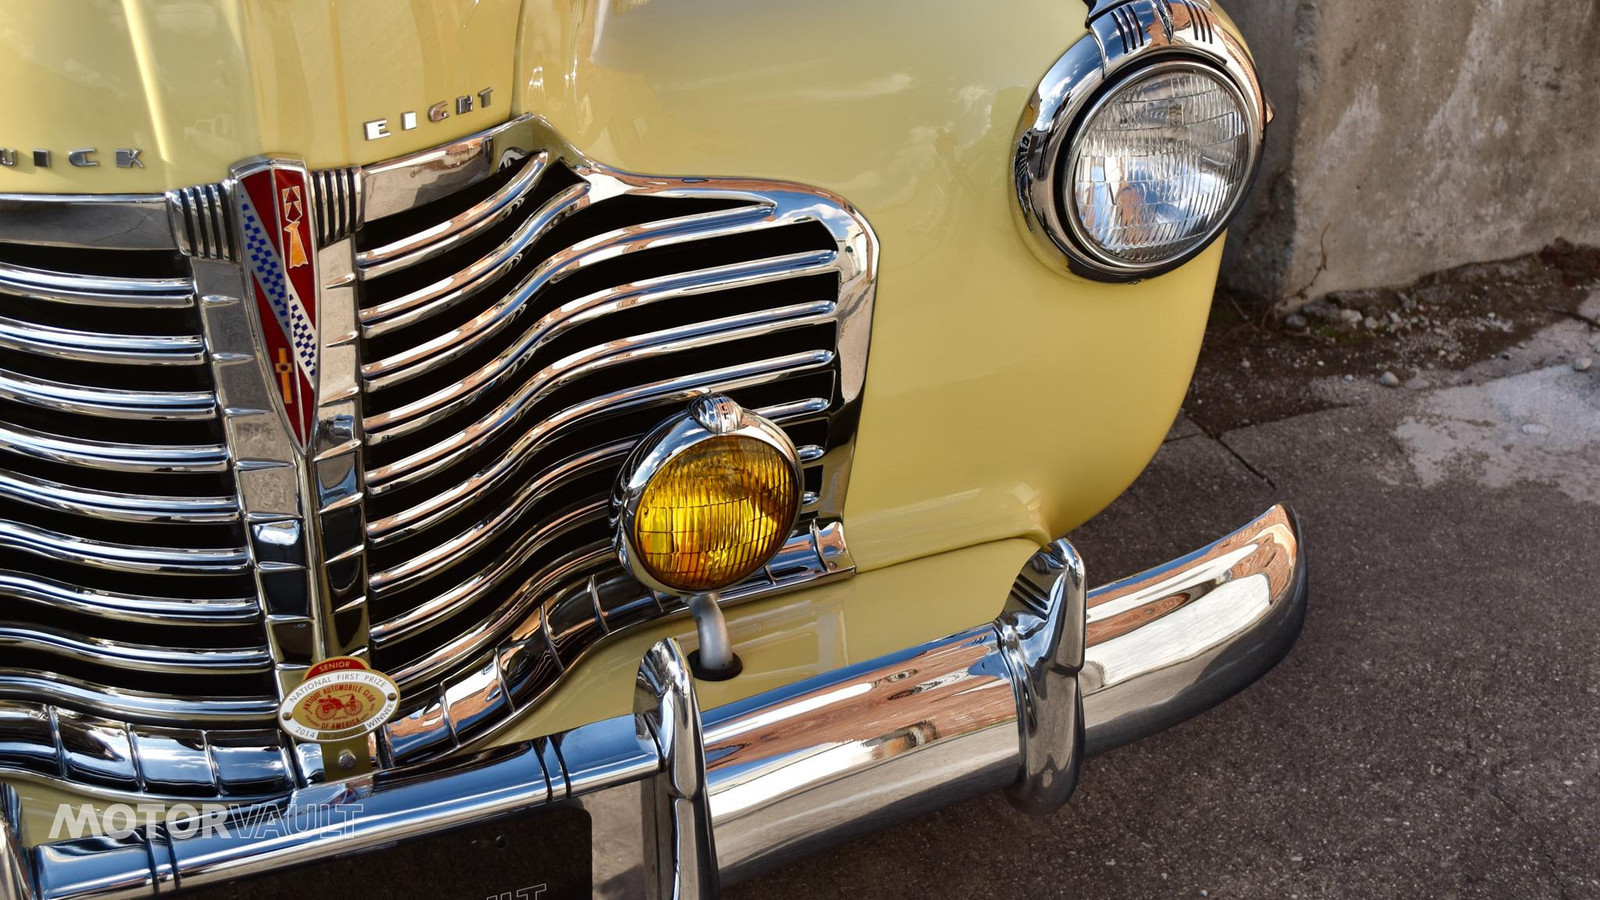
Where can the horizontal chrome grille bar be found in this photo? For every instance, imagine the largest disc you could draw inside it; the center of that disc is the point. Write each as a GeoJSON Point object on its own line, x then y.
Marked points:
{"type": "Point", "coordinates": [194, 709]}
{"type": "Point", "coordinates": [121, 557]}
{"type": "Point", "coordinates": [111, 456]}
{"type": "Point", "coordinates": [99, 347]}
{"type": "Point", "coordinates": [136, 608]}
{"type": "Point", "coordinates": [126, 590]}
{"type": "Point", "coordinates": [122, 507]}
{"type": "Point", "coordinates": [120, 403]}
{"type": "Point", "coordinates": [139, 657]}
{"type": "Point", "coordinates": [96, 290]}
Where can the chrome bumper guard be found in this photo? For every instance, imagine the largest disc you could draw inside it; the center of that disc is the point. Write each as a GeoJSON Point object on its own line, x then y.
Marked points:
{"type": "Point", "coordinates": [728, 792]}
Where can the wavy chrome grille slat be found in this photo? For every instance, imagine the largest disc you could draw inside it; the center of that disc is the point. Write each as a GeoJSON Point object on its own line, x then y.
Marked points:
{"type": "Point", "coordinates": [453, 343]}
{"type": "Point", "coordinates": [447, 292]}
{"type": "Point", "coordinates": [481, 635]}
{"type": "Point", "coordinates": [394, 528]}
{"type": "Point", "coordinates": [122, 507]}
{"type": "Point", "coordinates": [103, 401]}
{"type": "Point", "coordinates": [445, 453]}
{"type": "Point", "coordinates": [431, 242]}
{"type": "Point", "coordinates": [619, 351]}
{"type": "Point", "coordinates": [486, 579]}
{"type": "Point", "coordinates": [96, 290]}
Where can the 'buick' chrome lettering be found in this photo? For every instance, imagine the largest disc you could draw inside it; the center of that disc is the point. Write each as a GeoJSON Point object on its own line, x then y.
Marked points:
{"type": "Point", "coordinates": [78, 158]}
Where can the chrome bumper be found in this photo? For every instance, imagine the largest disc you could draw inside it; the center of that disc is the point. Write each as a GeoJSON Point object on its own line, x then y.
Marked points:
{"type": "Point", "coordinates": [1013, 704]}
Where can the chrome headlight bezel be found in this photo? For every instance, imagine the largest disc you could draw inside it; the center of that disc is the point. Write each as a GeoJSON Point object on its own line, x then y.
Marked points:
{"type": "Point", "coordinates": [1124, 41]}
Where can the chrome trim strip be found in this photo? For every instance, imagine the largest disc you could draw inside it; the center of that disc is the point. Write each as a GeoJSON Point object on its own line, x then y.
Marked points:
{"type": "Point", "coordinates": [119, 221]}
{"type": "Point", "coordinates": [266, 469]}
{"type": "Point", "coordinates": [96, 290]}
{"type": "Point", "coordinates": [202, 222]}
{"type": "Point", "coordinates": [337, 194]}
{"type": "Point", "coordinates": [409, 181]}
{"type": "Point", "coordinates": [339, 527]}
{"type": "Point", "coordinates": [114, 403]}
{"type": "Point", "coordinates": [464, 226]}
{"type": "Point", "coordinates": [180, 765]}
{"type": "Point", "coordinates": [100, 347]}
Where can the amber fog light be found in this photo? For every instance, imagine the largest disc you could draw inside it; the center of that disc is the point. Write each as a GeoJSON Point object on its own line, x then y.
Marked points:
{"type": "Point", "coordinates": [706, 499]}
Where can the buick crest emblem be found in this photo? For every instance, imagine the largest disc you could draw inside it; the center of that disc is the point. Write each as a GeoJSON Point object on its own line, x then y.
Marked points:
{"type": "Point", "coordinates": [272, 201]}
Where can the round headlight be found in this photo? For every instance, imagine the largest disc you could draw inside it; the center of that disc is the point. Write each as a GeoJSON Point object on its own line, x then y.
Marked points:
{"type": "Point", "coordinates": [707, 499]}
{"type": "Point", "coordinates": [1140, 142]}
{"type": "Point", "coordinates": [1159, 164]}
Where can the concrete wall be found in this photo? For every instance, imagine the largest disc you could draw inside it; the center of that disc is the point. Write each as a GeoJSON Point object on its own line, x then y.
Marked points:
{"type": "Point", "coordinates": [1415, 135]}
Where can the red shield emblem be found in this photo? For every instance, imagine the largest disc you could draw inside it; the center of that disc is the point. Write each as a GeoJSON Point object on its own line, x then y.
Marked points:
{"type": "Point", "coordinates": [273, 200]}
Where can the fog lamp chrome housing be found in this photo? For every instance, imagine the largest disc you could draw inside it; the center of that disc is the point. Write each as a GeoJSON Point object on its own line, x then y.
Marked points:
{"type": "Point", "coordinates": [706, 499]}
{"type": "Point", "coordinates": [1140, 142]}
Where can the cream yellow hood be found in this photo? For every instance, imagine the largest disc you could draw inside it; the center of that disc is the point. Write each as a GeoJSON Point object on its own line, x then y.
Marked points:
{"type": "Point", "coordinates": [196, 85]}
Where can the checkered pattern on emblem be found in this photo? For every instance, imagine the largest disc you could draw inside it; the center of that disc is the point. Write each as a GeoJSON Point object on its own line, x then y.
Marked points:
{"type": "Point", "coordinates": [268, 270]}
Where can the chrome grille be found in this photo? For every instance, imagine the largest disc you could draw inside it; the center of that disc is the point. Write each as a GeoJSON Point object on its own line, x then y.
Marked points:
{"type": "Point", "coordinates": [519, 334]}
{"type": "Point", "coordinates": [125, 589]}
{"type": "Point", "coordinates": [500, 320]}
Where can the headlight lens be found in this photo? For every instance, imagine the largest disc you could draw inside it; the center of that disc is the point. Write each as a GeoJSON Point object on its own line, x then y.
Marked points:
{"type": "Point", "coordinates": [1159, 164]}
{"type": "Point", "coordinates": [715, 513]}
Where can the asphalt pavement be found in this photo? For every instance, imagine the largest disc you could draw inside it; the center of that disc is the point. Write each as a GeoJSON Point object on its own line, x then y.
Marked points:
{"type": "Point", "coordinates": [1436, 731]}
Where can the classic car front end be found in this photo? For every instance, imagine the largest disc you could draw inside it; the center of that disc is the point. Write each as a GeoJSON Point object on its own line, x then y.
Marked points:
{"type": "Point", "coordinates": [391, 392]}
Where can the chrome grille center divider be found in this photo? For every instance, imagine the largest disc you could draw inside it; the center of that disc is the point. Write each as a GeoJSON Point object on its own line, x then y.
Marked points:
{"type": "Point", "coordinates": [494, 322]}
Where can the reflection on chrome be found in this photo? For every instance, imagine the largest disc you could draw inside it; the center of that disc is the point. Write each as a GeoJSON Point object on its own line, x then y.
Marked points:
{"type": "Point", "coordinates": [737, 789]}
{"type": "Point", "coordinates": [1166, 644]}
